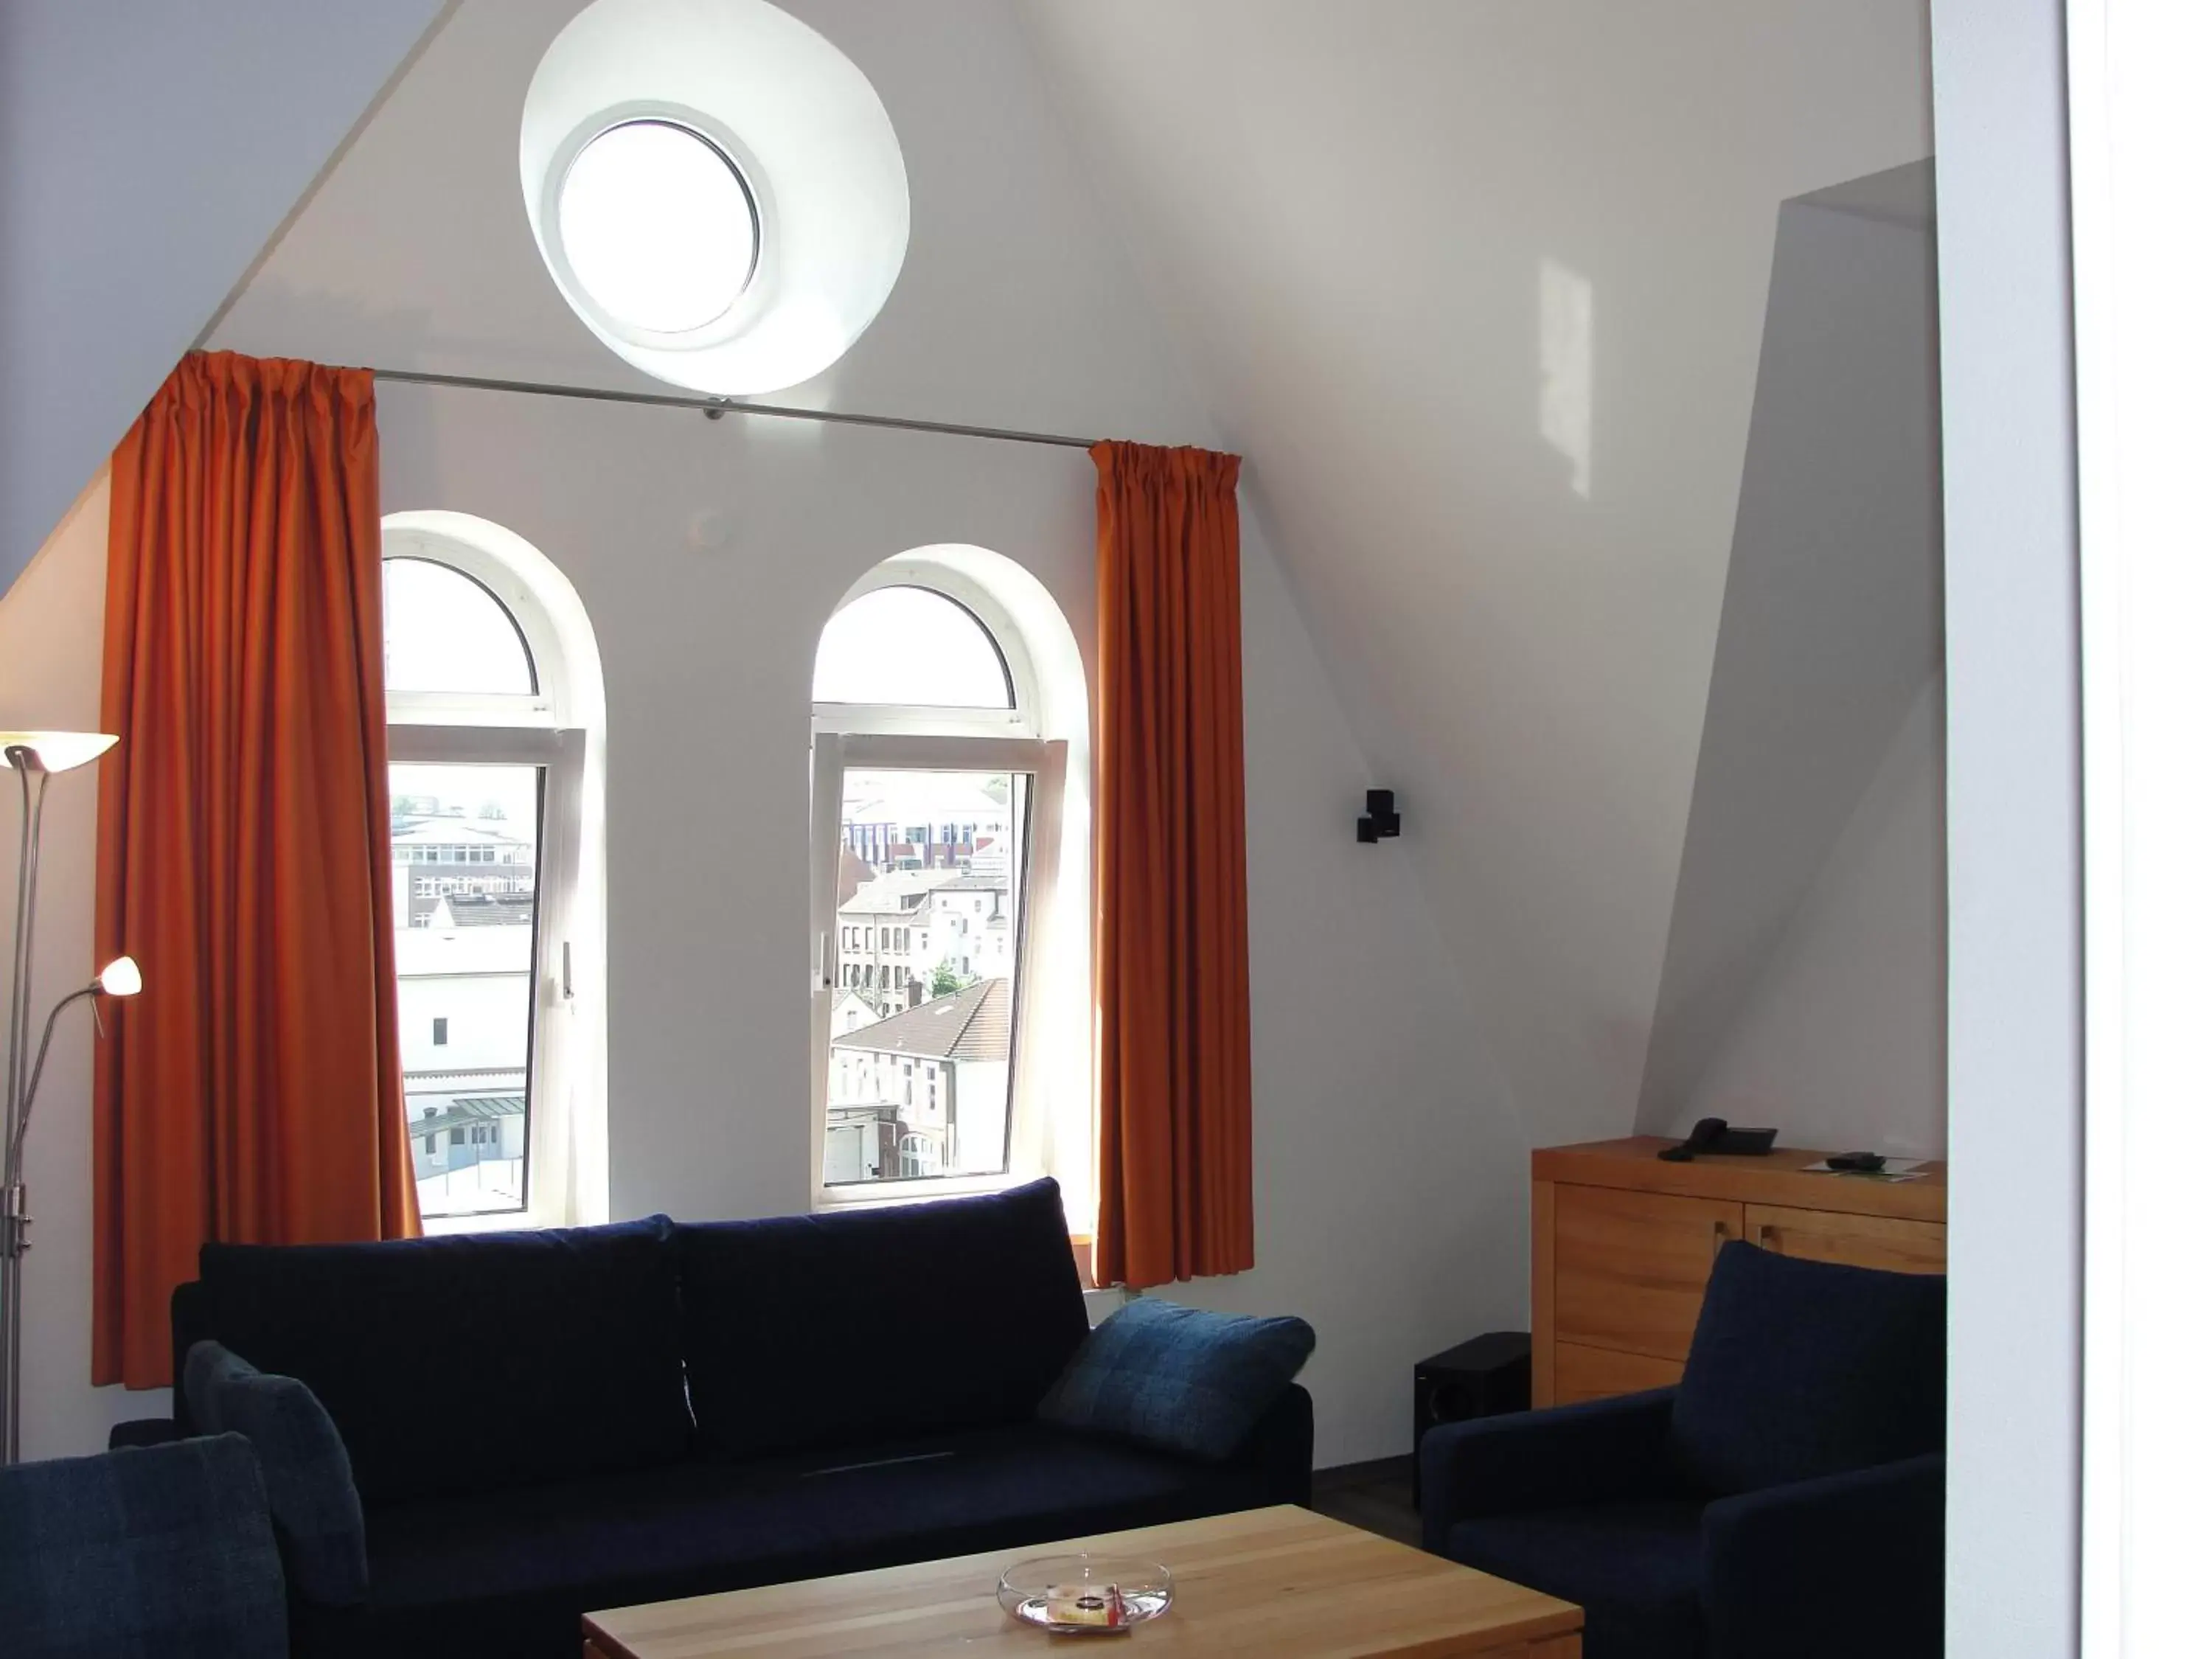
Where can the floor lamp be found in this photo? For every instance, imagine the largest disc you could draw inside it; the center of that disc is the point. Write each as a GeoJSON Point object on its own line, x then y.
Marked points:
{"type": "Point", "coordinates": [29, 755]}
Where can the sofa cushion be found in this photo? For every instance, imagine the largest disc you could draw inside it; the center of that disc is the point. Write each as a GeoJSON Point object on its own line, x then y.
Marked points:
{"type": "Point", "coordinates": [510, 1574]}
{"type": "Point", "coordinates": [311, 1498]}
{"type": "Point", "coordinates": [473, 1362]}
{"type": "Point", "coordinates": [1804, 1369]}
{"type": "Point", "coordinates": [1634, 1570]}
{"type": "Point", "coordinates": [1181, 1379]}
{"type": "Point", "coordinates": [836, 1330]}
{"type": "Point", "coordinates": [159, 1552]}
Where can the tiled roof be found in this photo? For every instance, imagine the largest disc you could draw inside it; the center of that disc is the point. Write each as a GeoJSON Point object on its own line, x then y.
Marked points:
{"type": "Point", "coordinates": [491, 910]}
{"type": "Point", "coordinates": [474, 1108]}
{"type": "Point", "coordinates": [976, 1024]}
{"type": "Point", "coordinates": [442, 1079]}
{"type": "Point", "coordinates": [898, 892]}
{"type": "Point", "coordinates": [973, 882]}
{"type": "Point", "coordinates": [453, 832]}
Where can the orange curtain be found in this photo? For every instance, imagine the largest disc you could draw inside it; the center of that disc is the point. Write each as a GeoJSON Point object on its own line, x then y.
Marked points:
{"type": "Point", "coordinates": [1171, 974]}
{"type": "Point", "coordinates": [251, 1092]}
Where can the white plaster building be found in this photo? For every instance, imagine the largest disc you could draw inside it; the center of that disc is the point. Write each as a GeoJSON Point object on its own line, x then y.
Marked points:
{"type": "Point", "coordinates": [464, 986]}
{"type": "Point", "coordinates": [923, 1092]}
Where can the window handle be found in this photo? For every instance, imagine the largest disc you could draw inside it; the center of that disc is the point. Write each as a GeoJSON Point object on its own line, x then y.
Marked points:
{"type": "Point", "coordinates": [568, 973]}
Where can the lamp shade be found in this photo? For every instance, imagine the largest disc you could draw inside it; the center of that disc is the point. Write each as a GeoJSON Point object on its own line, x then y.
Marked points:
{"type": "Point", "coordinates": [121, 978]}
{"type": "Point", "coordinates": [56, 751]}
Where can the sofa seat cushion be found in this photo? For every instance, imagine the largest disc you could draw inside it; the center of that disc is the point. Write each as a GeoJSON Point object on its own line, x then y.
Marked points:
{"type": "Point", "coordinates": [473, 1362]}
{"type": "Point", "coordinates": [1634, 1569]}
{"type": "Point", "coordinates": [803, 1332]}
{"type": "Point", "coordinates": [513, 1573]}
{"type": "Point", "coordinates": [1803, 1369]}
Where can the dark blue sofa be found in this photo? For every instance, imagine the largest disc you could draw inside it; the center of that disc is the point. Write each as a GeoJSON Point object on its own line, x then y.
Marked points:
{"type": "Point", "coordinates": [1785, 1501]}
{"type": "Point", "coordinates": [542, 1424]}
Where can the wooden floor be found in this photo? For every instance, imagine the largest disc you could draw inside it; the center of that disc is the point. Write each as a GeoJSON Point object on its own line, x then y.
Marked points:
{"type": "Point", "coordinates": [1377, 1496]}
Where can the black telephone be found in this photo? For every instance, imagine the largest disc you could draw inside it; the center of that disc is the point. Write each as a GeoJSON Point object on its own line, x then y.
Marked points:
{"type": "Point", "coordinates": [1712, 1134]}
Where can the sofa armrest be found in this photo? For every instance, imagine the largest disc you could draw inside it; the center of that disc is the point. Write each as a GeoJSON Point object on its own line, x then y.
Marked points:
{"type": "Point", "coordinates": [1281, 1447]}
{"type": "Point", "coordinates": [146, 1431]}
{"type": "Point", "coordinates": [1600, 1451]}
{"type": "Point", "coordinates": [1836, 1568]}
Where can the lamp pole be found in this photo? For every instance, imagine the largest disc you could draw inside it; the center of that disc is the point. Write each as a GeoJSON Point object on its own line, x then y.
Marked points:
{"type": "Point", "coordinates": [27, 754]}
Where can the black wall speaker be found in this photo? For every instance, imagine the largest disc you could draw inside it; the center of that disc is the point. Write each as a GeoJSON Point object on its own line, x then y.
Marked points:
{"type": "Point", "coordinates": [1485, 1378]}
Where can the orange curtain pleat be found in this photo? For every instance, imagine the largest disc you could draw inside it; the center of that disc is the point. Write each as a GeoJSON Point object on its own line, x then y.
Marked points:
{"type": "Point", "coordinates": [251, 1092]}
{"type": "Point", "coordinates": [1172, 976]}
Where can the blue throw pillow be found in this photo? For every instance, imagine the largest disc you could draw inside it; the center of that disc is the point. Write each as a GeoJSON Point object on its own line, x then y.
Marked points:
{"type": "Point", "coordinates": [1179, 1378]}
{"type": "Point", "coordinates": [312, 1497]}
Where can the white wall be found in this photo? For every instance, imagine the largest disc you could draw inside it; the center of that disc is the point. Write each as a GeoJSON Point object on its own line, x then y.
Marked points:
{"type": "Point", "coordinates": [1479, 290]}
{"type": "Point", "coordinates": [2015, 767]}
{"type": "Point", "coordinates": [1391, 1188]}
{"type": "Point", "coordinates": [147, 154]}
{"type": "Point", "coordinates": [1803, 985]}
{"type": "Point", "coordinates": [1361, 1109]}
{"type": "Point", "coordinates": [1841, 1038]}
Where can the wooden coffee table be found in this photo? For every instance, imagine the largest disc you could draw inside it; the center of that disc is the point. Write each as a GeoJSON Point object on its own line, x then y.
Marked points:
{"type": "Point", "coordinates": [1282, 1583]}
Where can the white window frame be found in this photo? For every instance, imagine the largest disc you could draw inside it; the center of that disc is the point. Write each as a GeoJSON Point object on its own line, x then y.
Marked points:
{"type": "Point", "coordinates": [901, 736]}
{"type": "Point", "coordinates": [1045, 764]}
{"type": "Point", "coordinates": [539, 729]}
{"type": "Point", "coordinates": [2139, 131]}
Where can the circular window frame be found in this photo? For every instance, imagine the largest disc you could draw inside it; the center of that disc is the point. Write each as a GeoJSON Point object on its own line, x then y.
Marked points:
{"type": "Point", "coordinates": [803, 126]}
{"type": "Point", "coordinates": [754, 297]}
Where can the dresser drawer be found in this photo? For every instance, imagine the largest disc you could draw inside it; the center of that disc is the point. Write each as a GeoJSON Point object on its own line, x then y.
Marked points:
{"type": "Point", "coordinates": [1859, 1241]}
{"type": "Point", "coordinates": [1628, 1268]}
{"type": "Point", "coordinates": [1583, 1373]}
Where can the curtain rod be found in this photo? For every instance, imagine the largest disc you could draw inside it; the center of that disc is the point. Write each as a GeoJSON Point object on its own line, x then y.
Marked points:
{"type": "Point", "coordinates": [716, 408]}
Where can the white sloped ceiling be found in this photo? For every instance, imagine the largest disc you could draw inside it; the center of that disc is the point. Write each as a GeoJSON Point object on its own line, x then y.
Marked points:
{"type": "Point", "coordinates": [1478, 286]}
{"type": "Point", "coordinates": [147, 154]}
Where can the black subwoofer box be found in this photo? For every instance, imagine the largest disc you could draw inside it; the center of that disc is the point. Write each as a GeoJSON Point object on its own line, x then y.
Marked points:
{"type": "Point", "coordinates": [1485, 1378]}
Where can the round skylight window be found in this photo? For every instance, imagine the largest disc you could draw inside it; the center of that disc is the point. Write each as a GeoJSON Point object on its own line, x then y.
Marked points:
{"type": "Point", "coordinates": [716, 188]}
{"type": "Point", "coordinates": [657, 224]}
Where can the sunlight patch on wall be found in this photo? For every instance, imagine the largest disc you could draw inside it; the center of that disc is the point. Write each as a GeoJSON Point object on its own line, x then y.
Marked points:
{"type": "Point", "coordinates": [1563, 318]}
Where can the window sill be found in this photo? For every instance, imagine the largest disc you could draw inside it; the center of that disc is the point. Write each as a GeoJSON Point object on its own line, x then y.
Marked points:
{"type": "Point", "coordinates": [501, 1221]}
{"type": "Point", "coordinates": [826, 1202]}
{"type": "Point", "coordinates": [891, 1194]}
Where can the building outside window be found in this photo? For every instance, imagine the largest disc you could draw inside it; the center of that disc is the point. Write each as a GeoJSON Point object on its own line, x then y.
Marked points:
{"type": "Point", "coordinates": [488, 786]}
{"type": "Point", "coordinates": [937, 812]}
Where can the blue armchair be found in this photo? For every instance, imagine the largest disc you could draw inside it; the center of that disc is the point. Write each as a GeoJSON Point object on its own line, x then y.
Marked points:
{"type": "Point", "coordinates": [164, 1553]}
{"type": "Point", "coordinates": [1786, 1499]}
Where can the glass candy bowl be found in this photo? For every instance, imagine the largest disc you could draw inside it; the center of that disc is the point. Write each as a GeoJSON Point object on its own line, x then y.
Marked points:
{"type": "Point", "coordinates": [1085, 1594]}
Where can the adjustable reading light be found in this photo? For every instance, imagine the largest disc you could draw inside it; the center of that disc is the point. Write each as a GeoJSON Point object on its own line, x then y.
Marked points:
{"type": "Point", "coordinates": [29, 754]}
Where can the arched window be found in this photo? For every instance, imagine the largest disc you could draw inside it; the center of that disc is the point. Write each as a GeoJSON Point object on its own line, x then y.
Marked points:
{"type": "Point", "coordinates": [948, 698]}
{"type": "Point", "coordinates": [494, 708]}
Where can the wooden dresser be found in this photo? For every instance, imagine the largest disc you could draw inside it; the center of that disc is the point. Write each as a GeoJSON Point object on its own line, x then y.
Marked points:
{"type": "Point", "coordinates": [1623, 1243]}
